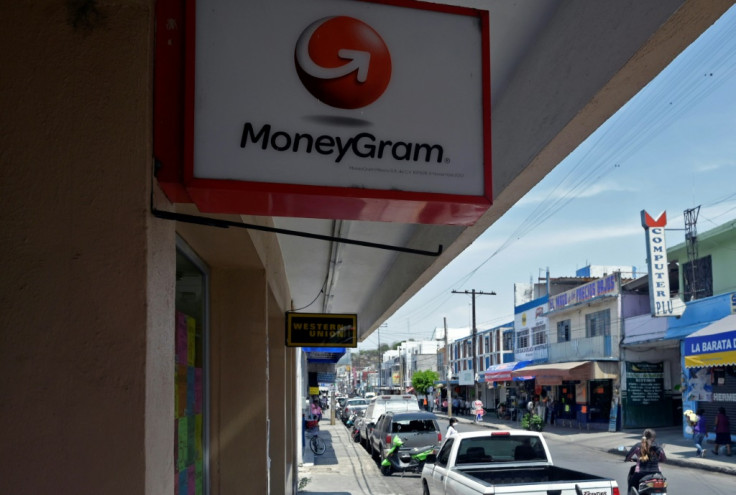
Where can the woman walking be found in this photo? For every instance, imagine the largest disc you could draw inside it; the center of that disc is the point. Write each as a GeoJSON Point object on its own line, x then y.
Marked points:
{"type": "Point", "coordinates": [700, 430]}
{"type": "Point", "coordinates": [723, 432]}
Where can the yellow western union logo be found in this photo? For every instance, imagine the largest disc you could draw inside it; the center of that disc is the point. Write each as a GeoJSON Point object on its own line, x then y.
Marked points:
{"type": "Point", "coordinates": [321, 330]}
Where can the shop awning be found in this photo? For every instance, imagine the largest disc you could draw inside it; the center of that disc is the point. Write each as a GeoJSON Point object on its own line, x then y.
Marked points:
{"type": "Point", "coordinates": [502, 372]}
{"type": "Point", "coordinates": [324, 354]}
{"type": "Point", "coordinates": [713, 345]}
{"type": "Point", "coordinates": [574, 370]}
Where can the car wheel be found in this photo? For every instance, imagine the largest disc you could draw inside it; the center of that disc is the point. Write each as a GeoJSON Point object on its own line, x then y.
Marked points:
{"type": "Point", "coordinates": [425, 488]}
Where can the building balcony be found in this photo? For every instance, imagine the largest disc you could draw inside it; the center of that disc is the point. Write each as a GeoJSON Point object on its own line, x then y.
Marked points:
{"type": "Point", "coordinates": [599, 347]}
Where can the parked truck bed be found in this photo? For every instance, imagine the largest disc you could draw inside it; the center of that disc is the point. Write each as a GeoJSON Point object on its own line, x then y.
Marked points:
{"type": "Point", "coordinates": [505, 462]}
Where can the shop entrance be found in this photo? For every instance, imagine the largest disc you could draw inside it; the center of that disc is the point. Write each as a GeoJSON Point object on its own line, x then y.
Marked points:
{"type": "Point", "coordinates": [190, 394]}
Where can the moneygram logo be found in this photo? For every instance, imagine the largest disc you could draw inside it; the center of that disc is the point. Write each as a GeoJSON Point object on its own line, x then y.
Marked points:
{"type": "Point", "coordinates": [343, 62]}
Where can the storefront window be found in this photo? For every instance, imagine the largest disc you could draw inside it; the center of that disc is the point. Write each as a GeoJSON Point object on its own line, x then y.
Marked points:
{"type": "Point", "coordinates": [190, 404]}
{"type": "Point", "coordinates": [539, 335]}
{"type": "Point", "coordinates": [598, 323]}
{"type": "Point", "coordinates": [600, 400]}
{"type": "Point", "coordinates": [522, 342]}
{"type": "Point", "coordinates": [563, 331]}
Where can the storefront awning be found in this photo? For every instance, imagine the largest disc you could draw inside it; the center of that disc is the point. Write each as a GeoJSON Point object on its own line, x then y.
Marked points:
{"type": "Point", "coordinates": [574, 370]}
{"type": "Point", "coordinates": [713, 345]}
{"type": "Point", "coordinates": [324, 354]}
{"type": "Point", "coordinates": [502, 372]}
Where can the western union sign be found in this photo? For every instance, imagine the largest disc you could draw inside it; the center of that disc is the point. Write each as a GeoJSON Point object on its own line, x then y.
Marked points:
{"type": "Point", "coordinates": [321, 330]}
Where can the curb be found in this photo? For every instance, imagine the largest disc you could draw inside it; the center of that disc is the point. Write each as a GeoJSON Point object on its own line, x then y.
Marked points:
{"type": "Point", "coordinates": [674, 461]}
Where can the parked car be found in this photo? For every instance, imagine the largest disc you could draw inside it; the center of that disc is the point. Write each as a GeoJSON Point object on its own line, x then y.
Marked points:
{"type": "Point", "coordinates": [381, 404]}
{"type": "Point", "coordinates": [418, 430]}
{"type": "Point", "coordinates": [504, 462]}
{"type": "Point", "coordinates": [350, 406]}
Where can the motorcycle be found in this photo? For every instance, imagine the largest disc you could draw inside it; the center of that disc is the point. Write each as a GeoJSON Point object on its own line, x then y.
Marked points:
{"type": "Point", "coordinates": [403, 461]}
{"type": "Point", "coordinates": [351, 419]}
{"type": "Point", "coordinates": [649, 484]}
{"type": "Point", "coordinates": [354, 423]}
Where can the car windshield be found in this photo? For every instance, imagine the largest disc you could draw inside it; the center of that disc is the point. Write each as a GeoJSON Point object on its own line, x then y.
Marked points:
{"type": "Point", "coordinates": [501, 449]}
{"type": "Point", "coordinates": [357, 402]}
{"type": "Point", "coordinates": [412, 426]}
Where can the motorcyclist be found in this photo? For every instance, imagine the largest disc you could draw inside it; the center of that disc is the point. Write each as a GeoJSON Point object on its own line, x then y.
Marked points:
{"type": "Point", "coordinates": [648, 456]}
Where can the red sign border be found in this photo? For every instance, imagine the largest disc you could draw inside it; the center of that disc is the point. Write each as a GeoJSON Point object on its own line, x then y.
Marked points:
{"type": "Point", "coordinates": [295, 200]}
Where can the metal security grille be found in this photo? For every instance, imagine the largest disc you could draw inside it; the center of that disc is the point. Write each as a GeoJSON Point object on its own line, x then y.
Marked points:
{"type": "Point", "coordinates": [724, 395]}
{"type": "Point", "coordinates": [698, 278]}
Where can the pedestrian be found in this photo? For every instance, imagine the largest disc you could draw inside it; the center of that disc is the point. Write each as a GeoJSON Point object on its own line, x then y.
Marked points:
{"type": "Point", "coordinates": [700, 430]}
{"type": "Point", "coordinates": [451, 431]}
{"type": "Point", "coordinates": [316, 410]}
{"type": "Point", "coordinates": [541, 408]}
{"type": "Point", "coordinates": [723, 432]}
{"type": "Point", "coordinates": [649, 456]}
{"type": "Point", "coordinates": [478, 409]}
{"type": "Point", "coordinates": [426, 408]}
{"type": "Point", "coordinates": [552, 410]}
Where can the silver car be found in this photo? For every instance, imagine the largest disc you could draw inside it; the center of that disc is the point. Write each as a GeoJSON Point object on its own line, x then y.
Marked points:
{"type": "Point", "coordinates": [350, 406]}
{"type": "Point", "coordinates": [416, 429]}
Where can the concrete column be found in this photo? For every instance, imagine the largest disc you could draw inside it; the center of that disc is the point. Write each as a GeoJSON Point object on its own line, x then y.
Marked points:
{"type": "Point", "coordinates": [88, 276]}
{"type": "Point", "coordinates": [239, 385]}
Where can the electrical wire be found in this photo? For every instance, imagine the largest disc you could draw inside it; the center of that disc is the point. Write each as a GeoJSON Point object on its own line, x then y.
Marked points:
{"type": "Point", "coordinates": [677, 89]}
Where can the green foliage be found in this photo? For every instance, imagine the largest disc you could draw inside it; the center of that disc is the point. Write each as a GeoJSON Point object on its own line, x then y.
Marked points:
{"type": "Point", "coordinates": [303, 482]}
{"type": "Point", "coordinates": [532, 422]}
{"type": "Point", "coordinates": [422, 380]}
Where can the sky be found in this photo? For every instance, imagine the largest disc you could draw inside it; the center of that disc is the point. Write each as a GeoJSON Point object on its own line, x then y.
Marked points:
{"type": "Point", "coordinates": [670, 148]}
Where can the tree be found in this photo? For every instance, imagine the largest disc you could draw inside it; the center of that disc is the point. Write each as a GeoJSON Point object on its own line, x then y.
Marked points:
{"type": "Point", "coordinates": [422, 380]}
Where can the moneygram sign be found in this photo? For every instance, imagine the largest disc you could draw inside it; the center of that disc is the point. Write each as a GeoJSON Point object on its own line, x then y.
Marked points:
{"type": "Point", "coordinates": [339, 109]}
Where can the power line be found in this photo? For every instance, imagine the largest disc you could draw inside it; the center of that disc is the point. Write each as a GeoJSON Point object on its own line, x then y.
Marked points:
{"type": "Point", "coordinates": [681, 85]}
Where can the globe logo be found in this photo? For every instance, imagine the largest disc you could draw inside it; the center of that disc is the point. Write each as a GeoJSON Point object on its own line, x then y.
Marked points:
{"type": "Point", "coordinates": [343, 62]}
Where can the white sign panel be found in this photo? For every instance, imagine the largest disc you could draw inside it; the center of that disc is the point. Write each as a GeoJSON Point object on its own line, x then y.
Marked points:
{"type": "Point", "coordinates": [531, 331]}
{"type": "Point", "coordinates": [339, 93]}
{"type": "Point", "coordinates": [466, 377]}
{"type": "Point", "coordinates": [659, 276]}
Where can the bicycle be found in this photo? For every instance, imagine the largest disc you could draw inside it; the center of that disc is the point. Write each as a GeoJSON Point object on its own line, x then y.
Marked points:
{"type": "Point", "coordinates": [317, 445]}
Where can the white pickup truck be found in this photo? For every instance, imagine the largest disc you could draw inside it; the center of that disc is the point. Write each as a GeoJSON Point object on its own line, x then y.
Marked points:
{"type": "Point", "coordinates": [505, 462]}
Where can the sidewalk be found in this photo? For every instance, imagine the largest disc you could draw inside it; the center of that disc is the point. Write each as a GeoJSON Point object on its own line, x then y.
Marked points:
{"type": "Point", "coordinates": [338, 470]}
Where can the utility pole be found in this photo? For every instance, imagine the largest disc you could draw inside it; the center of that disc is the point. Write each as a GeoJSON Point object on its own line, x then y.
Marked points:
{"type": "Point", "coordinates": [379, 360]}
{"type": "Point", "coordinates": [691, 238]}
{"type": "Point", "coordinates": [447, 374]}
{"type": "Point", "coordinates": [475, 334]}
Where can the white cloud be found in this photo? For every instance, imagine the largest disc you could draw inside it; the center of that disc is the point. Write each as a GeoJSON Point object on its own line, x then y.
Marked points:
{"type": "Point", "coordinates": [538, 196]}
{"type": "Point", "coordinates": [714, 165]}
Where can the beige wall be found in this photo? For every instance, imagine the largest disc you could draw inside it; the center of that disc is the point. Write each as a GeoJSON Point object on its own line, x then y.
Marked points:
{"type": "Point", "coordinates": [86, 336]}
{"type": "Point", "coordinates": [87, 291]}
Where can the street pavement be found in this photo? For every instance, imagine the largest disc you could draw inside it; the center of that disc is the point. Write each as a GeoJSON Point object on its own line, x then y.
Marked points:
{"type": "Point", "coordinates": [338, 472]}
